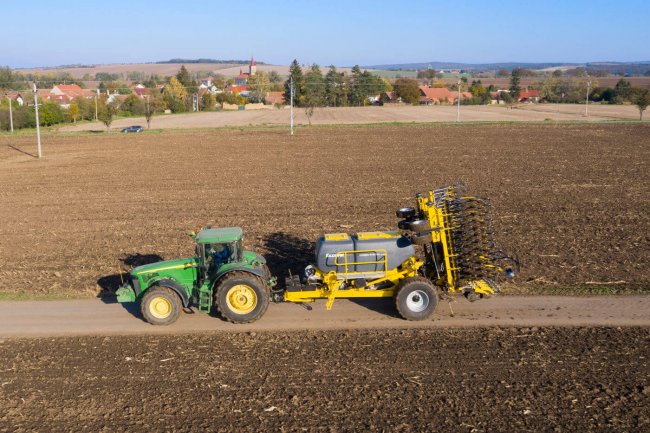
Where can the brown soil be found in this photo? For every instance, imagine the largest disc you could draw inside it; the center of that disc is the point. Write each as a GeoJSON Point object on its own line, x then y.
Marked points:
{"type": "Point", "coordinates": [571, 200]}
{"type": "Point", "coordinates": [463, 380]}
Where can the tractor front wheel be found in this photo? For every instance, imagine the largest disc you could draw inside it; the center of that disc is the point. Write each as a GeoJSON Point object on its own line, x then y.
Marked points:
{"type": "Point", "coordinates": [416, 298]}
{"type": "Point", "coordinates": [160, 306]}
{"type": "Point", "coordinates": [242, 297]}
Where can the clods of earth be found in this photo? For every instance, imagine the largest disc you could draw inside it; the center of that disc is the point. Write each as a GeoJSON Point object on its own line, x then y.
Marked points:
{"type": "Point", "coordinates": [462, 380]}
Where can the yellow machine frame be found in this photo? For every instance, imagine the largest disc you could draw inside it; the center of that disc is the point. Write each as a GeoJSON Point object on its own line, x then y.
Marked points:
{"type": "Point", "coordinates": [342, 284]}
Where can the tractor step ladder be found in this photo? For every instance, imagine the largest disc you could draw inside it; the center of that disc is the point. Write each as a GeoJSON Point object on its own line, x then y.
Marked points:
{"type": "Point", "coordinates": [205, 299]}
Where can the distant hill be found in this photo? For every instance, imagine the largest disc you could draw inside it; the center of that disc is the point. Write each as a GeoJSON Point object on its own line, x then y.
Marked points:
{"type": "Point", "coordinates": [213, 61]}
{"type": "Point", "coordinates": [620, 68]}
{"type": "Point", "coordinates": [613, 67]}
{"type": "Point", "coordinates": [469, 66]}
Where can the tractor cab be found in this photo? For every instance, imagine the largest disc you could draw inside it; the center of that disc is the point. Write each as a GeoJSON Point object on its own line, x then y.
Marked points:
{"type": "Point", "coordinates": [217, 247]}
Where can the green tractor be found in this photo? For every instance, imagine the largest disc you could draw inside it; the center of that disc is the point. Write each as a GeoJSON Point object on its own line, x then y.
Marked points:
{"type": "Point", "coordinates": [237, 281]}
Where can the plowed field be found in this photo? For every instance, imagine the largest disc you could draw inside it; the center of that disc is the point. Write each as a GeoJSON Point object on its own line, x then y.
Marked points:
{"type": "Point", "coordinates": [462, 380]}
{"type": "Point", "coordinates": [571, 200]}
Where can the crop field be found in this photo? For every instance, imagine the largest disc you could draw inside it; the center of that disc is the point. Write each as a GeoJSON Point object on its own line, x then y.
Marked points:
{"type": "Point", "coordinates": [164, 69]}
{"type": "Point", "coordinates": [571, 200]}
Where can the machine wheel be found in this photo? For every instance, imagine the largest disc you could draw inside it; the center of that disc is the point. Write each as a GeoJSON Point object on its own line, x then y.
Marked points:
{"type": "Point", "coordinates": [242, 297]}
{"type": "Point", "coordinates": [416, 298]}
{"type": "Point", "coordinates": [160, 306]}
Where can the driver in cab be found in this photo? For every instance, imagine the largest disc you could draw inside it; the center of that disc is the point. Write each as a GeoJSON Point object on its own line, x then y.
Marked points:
{"type": "Point", "coordinates": [219, 253]}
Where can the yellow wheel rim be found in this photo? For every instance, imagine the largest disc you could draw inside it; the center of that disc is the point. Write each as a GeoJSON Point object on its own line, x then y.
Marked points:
{"type": "Point", "coordinates": [241, 299]}
{"type": "Point", "coordinates": [160, 307]}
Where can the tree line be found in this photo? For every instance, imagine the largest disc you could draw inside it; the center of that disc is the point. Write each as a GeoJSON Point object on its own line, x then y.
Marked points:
{"type": "Point", "coordinates": [332, 89]}
{"type": "Point", "coordinates": [311, 88]}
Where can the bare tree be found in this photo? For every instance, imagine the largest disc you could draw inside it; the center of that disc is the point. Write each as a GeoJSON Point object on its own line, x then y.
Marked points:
{"type": "Point", "coordinates": [309, 111]}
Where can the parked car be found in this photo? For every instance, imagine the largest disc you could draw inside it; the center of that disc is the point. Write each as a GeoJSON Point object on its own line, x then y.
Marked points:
{"type": "Point", "coordinates": [134, 128]}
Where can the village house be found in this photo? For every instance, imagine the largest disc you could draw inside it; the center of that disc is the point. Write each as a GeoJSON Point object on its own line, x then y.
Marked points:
{"type": "Point", "coordinates": [63, 94]}
{"type": "Point", "coordinates": [15, 97]}
{"type": "Point", "coordinates": [527, 95]}
{"type": "Point", "coordinates": [242, 90]}
{"type": "Point", "coordinates": [209, 86]}
{"type": "Point", "coordinates": [439, 95]}
{"type": "Point", "coordinates": [274, 98]}
{"type": "Point", "coordinates": [139, 89]}
{"type": "Point", "coordinates": [389, 98]}
{"type": "Point", "coordinates": [70, 91]}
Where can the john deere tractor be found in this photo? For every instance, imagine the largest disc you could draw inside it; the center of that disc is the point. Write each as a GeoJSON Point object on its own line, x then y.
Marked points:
{"type": "Point", "coordinates": [237, 281]}
{"type": "Point", "coordinates": [456, 253]}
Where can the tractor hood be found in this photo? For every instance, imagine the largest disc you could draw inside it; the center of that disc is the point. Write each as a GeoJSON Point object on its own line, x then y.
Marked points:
{"type": "Point", "coordinates": [165, 266]}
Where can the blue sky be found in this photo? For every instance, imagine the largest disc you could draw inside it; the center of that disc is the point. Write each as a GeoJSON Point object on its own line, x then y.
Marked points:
{"type": "Point", "coordinates": [46, 33]}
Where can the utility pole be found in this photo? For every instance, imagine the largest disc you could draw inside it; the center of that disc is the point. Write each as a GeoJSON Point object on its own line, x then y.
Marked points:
{"type": "Point", "coordinates": [11, 115]}
{"type": "Point", "coordinates": [458, 115]}
{"type": "Point", "coordinates": [587, 100]}
{"type": "Point", "coordinates": [38, 126]}
{"type": "Point", "coordinates": [291, 103]}
{"type": "Point", "coordinates": [148, 113]}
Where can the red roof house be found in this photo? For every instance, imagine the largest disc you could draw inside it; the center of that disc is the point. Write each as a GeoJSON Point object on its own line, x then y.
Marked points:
{"type": "Point", "coordinates": [139, 89]}
{"type": "Point", "coordinates": [531, 95]}
{"type": "Point", "coordinates": [435, 95]}
{"type": "Point", "coordinates": [69, 90]}
{"type": "Point", "coordinates": [272, 98]}
{"type": "Point", "coordinates": [237, 89]}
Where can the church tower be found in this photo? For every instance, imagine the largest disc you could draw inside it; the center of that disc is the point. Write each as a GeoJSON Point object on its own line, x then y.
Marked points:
{"type": "Point", "coordinates": [252, 68]}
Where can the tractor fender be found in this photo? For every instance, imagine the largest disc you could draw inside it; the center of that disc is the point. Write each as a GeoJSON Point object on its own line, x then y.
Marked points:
{"type": "Point", "coordinates": [171, 284]}
{"type": "Point", "coordinates": [219, 276]}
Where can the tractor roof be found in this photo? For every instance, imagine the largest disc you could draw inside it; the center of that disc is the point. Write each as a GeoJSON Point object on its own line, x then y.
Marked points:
{"type": "Point", "coordinates": [225, 234]}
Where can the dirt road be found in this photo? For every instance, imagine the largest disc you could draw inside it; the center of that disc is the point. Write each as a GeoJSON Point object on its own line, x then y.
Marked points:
{"type": "Point", "coordinates": [94, 317]}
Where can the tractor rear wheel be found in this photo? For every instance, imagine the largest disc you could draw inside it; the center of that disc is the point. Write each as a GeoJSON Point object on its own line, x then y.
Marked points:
{"type": "Point", "coordinates": [416, 298]}
{"type": "Point", "coordinates": [242, 297]}
{"type": "Point", "coordinates": [160, 306]}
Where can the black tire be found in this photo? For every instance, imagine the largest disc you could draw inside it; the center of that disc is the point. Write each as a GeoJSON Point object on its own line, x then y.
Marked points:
{"type": "Point", "coordinates": [160, 306]}
{"type": "Point", "coordinates": [416, 298]}
{"type": "Point", "coordinates": [243, 304]}
{"type": "Point", "coordinates": [405, 212]}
